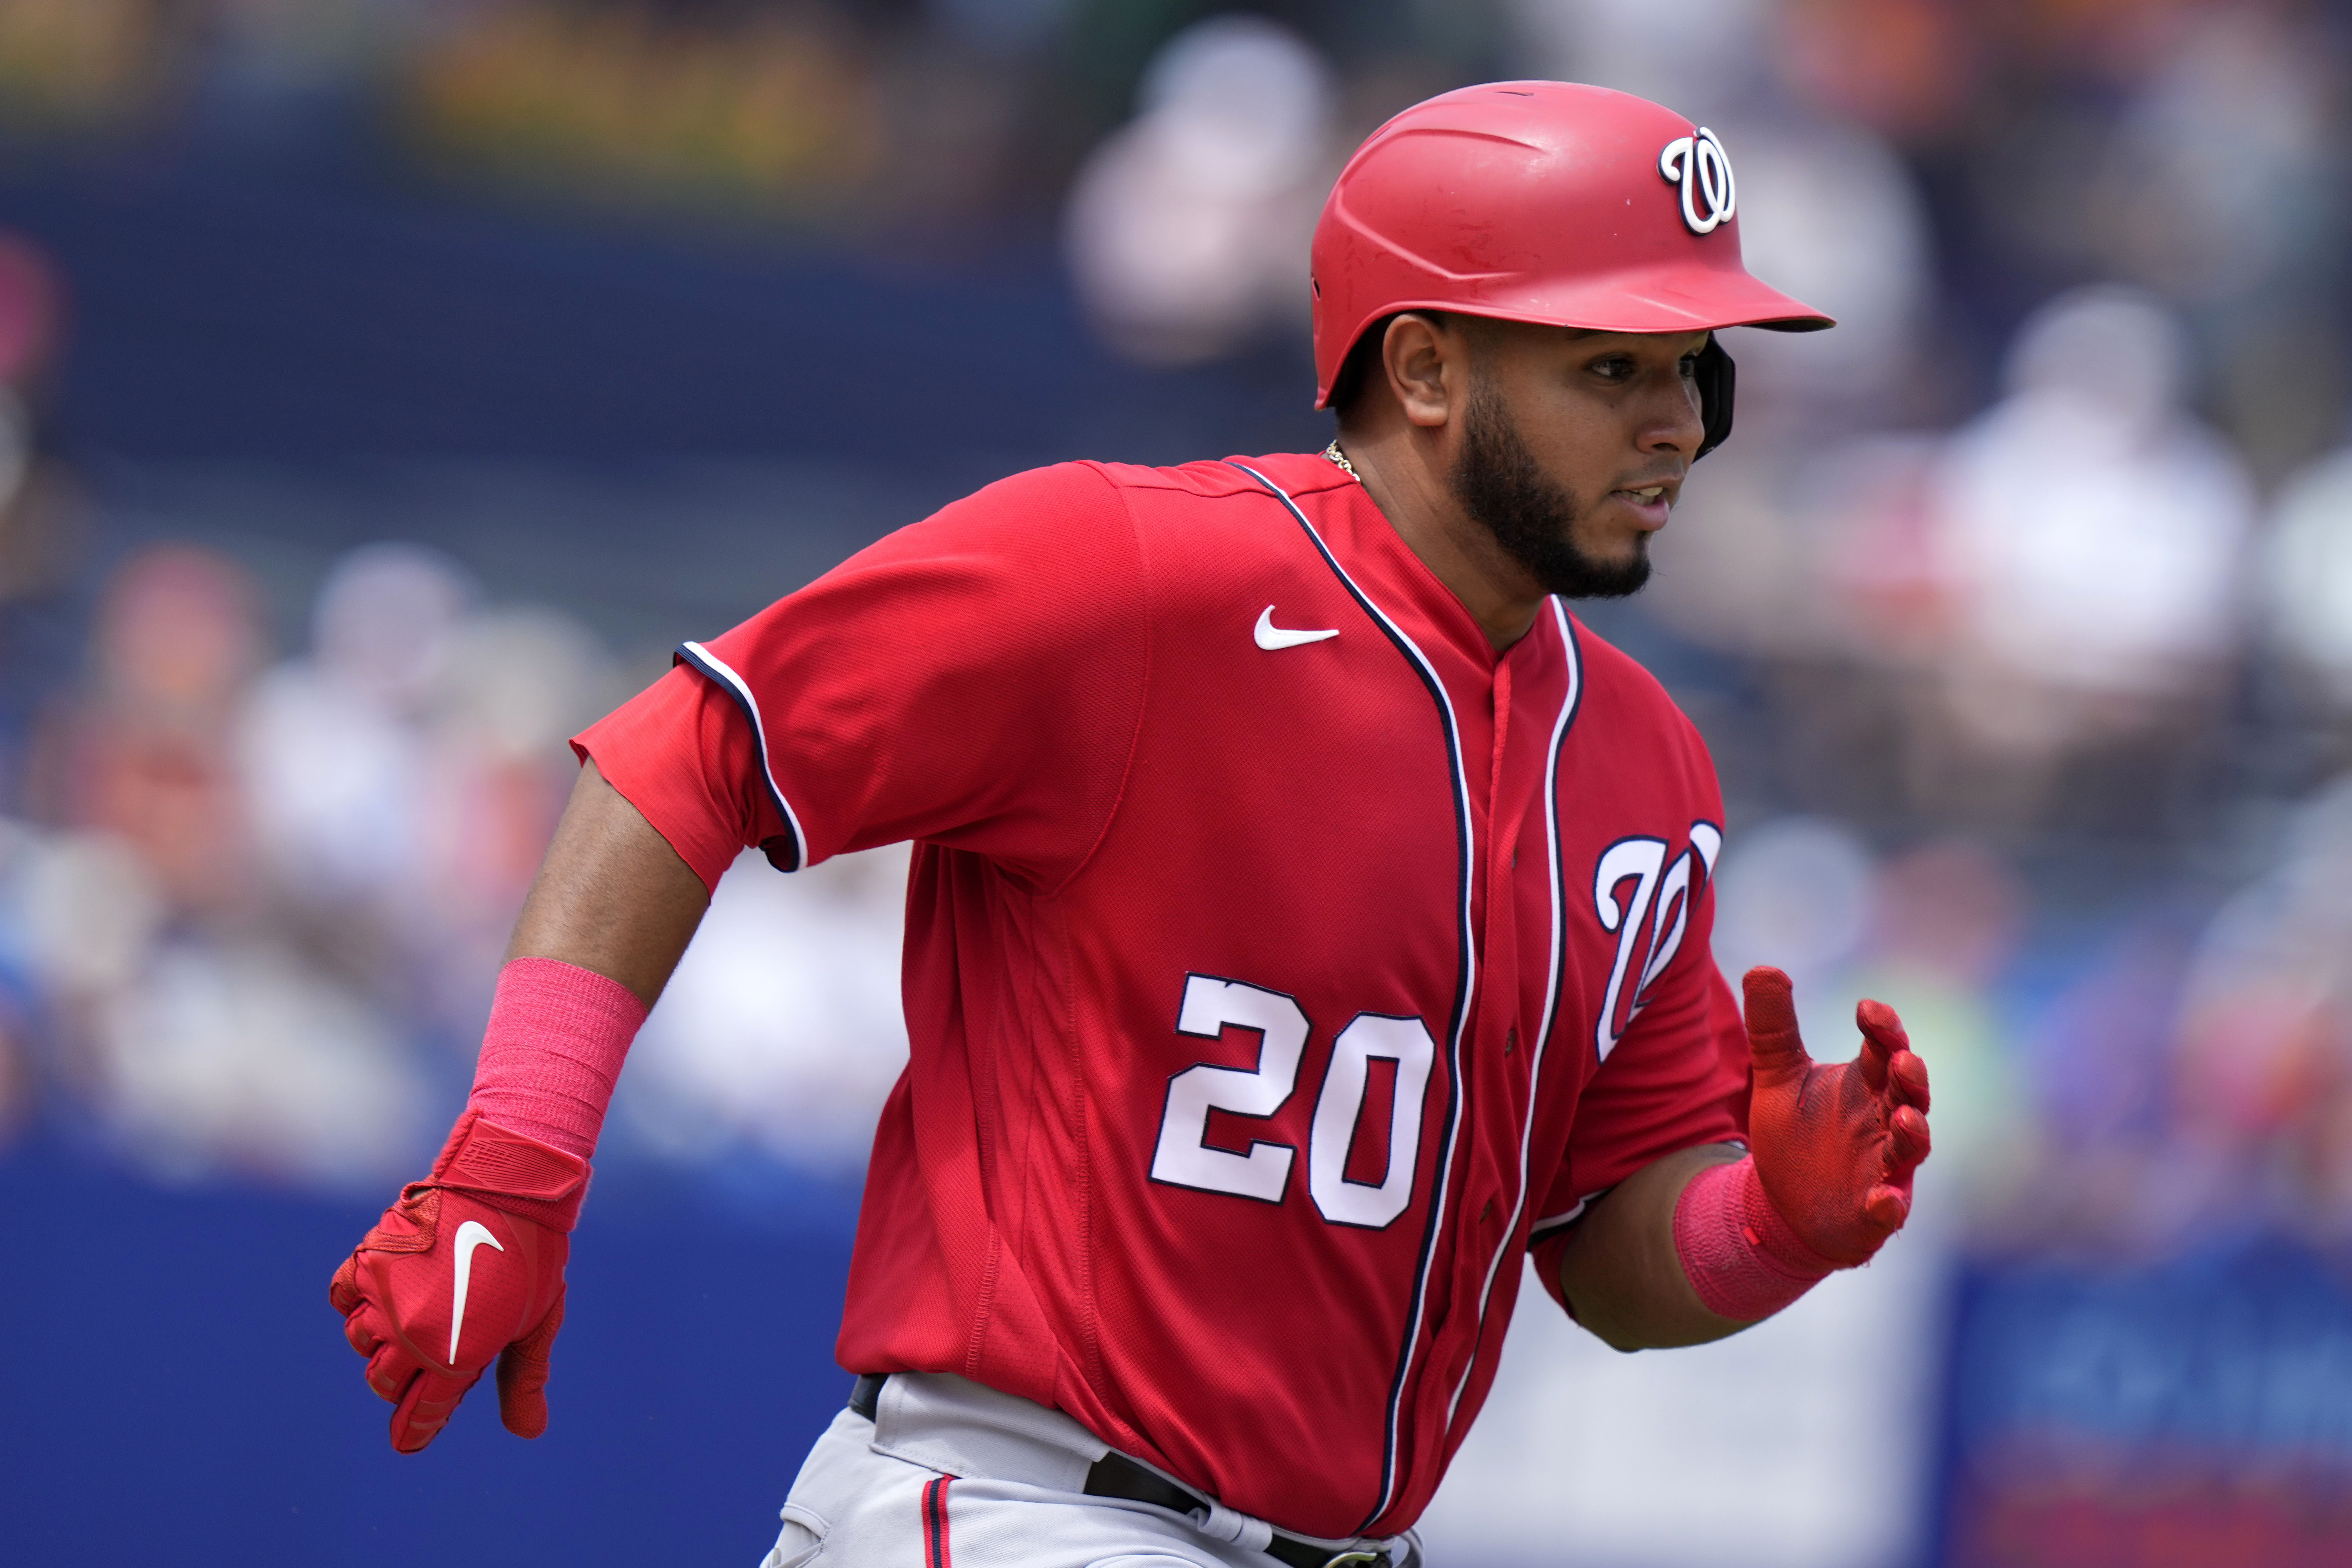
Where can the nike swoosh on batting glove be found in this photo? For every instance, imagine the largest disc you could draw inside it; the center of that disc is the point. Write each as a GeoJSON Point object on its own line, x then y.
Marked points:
{"type": "Point", "coordinates": [465, 1268]}
{"type": "Point", "coordinates": [1834, 1146]}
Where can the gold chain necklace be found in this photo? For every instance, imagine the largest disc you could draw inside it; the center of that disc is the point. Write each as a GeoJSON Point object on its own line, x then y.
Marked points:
{"type": "Point", "coordinates": [1337, 456]}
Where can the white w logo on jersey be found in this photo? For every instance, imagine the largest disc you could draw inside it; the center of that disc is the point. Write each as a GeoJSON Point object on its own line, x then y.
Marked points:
{"type": "Point", "coordinates": [1647, 902]}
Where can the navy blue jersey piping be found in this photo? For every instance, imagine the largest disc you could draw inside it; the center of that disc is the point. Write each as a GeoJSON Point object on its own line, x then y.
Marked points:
{"type": "Point", "coordinates": [700, 659]}
{"type": "Point", "coordinates": [1465, 981]}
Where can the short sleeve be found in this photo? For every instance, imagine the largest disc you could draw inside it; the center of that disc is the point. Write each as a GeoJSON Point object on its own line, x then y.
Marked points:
{"type": "Point", "coordinates": [678, 752]}
{"type": "Point", "coordinates": [1676, 1079]}
{"type": "Point", "coordinates": [975, 680]}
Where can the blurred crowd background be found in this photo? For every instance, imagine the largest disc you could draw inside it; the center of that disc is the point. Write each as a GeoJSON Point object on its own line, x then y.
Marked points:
{"type": "Point", "coordinates": [386, 386]}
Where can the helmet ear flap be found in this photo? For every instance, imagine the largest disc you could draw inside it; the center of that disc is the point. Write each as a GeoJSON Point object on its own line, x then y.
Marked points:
{"type": "Point", "coordinates": [1715, 375]}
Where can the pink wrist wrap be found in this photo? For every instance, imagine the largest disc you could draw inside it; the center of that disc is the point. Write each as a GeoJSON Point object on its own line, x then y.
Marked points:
{"type": "Point", "coordinates": [552, 1051]}
{"type": "Point", "coordinates": [1738, 1253]}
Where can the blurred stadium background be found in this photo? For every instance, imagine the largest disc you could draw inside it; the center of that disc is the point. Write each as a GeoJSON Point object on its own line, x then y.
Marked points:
{"type": "Point", "coordinates": [389, 383]}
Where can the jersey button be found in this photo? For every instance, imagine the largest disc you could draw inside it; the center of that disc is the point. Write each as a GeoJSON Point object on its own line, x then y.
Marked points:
{"type": "Point", "coordinates": [1510, 1039]}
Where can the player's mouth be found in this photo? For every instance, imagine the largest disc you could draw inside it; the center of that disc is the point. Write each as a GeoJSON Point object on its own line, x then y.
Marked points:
{"type": "Point", "coordinates": [1649, 503]}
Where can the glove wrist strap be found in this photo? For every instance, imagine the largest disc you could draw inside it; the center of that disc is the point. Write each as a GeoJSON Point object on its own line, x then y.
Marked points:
{"type": "Point", "coordinates": [510, 1173]}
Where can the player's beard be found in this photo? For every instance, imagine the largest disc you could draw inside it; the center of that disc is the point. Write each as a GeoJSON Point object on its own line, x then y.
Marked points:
{"type": "Point", "coordinates": [1503, 489]}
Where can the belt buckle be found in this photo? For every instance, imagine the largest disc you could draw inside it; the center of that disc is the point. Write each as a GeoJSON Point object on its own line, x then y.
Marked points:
{"type": "Point", "coordinates": [1354, 1558]}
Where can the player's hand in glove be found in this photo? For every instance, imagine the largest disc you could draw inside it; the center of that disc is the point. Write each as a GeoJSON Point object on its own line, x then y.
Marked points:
{"type": "Point", "coordinates": [465, 1268]}
{"type": "Point", "coordinates": [1834, 1146]}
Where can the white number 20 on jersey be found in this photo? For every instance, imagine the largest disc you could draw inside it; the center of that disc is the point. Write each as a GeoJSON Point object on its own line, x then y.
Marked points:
{"type": "Point", "coordinates": [1184, 1157]}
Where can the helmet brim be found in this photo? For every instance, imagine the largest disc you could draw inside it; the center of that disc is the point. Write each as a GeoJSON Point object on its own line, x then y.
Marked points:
{"type": "Point", "coordinates": [1673, 299]}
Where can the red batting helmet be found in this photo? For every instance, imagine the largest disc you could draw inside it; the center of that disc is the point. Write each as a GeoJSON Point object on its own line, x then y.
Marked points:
{"type": "Point", "coordinates": [1539, 201]}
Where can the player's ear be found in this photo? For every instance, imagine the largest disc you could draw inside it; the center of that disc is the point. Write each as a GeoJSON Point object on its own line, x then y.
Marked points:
{"type": "Point", "coordinates": [1418, 351]}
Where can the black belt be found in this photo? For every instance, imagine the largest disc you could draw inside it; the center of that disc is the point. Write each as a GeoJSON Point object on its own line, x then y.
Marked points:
{"type": "Point", "coordinates": [1116, 1474]}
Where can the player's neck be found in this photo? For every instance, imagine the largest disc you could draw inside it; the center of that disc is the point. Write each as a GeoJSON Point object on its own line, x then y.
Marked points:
{"type": "Point", "coordinates": [1405, 473]}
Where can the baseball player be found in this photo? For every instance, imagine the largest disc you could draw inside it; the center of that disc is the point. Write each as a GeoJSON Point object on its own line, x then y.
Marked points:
{"type": "Point", "coordinates": [1309, 919]}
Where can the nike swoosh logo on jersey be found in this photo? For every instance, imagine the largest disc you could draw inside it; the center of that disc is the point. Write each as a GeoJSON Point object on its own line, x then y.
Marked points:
{"type": "Point", "coordinates": [1271, 637]}
{"type": "Point", "coordinates": [470, 1234]}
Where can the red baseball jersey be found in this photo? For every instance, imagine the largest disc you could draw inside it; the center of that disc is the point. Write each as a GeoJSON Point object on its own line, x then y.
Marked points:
{"type": "Point", "coordinates": [1282, 961]}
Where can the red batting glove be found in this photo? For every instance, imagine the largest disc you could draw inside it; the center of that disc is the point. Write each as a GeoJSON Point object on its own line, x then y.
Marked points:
{"type": "Point", "coordinates": [1835, 1146]}
{"type": "Point", "coordinates": [468, 1265]}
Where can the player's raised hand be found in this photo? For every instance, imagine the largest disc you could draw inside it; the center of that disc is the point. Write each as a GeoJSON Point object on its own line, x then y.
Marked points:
{"type": "Point", "coordinates": [465, 1268]}
{"type": "Point", "coordinates": [1834, 1146]}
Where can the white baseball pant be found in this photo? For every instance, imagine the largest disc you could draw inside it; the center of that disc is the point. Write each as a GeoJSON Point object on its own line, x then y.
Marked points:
{"type": "Point", "coordinates": [950, 1474]}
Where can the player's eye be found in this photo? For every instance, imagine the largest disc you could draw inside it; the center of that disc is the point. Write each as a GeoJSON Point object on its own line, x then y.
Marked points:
{"type": "Point", "coordinates": [1614, 367]}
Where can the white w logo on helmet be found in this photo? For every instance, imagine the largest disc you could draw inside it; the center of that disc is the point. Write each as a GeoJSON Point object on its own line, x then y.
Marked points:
{"type": "Point", "coordinates": [1698, 163]}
